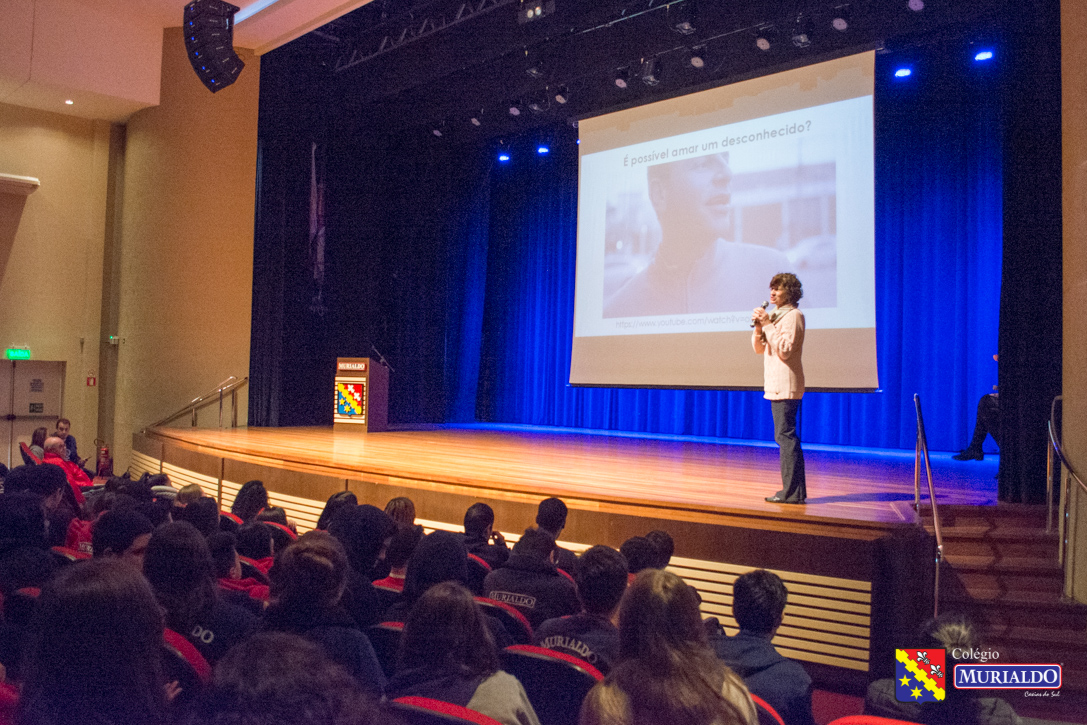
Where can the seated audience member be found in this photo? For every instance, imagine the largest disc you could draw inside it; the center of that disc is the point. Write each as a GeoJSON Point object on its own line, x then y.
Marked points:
{"type": "Point", "coordinates": [530, 582]}
{"type": "Point", "coordinates": [58, 500]}
{"type": "Point", "coordinates": [64, 426]}
{"type": "Point", "coordinates": [246, 592]}
{"type": "Point", "coordinates": [252, 498]}
{"type": "Point", "coordinates": [335, 502]}
{"type": "Point", "coordinates": [666, 672]}
{"type": "Point", "coordinates": [54, 453]}
{"type": "Point", "coordinates": [401, 510]}
{"type": "Point", "coordinates": [25, 560]}
{"type": "Point", "coordinates": [308, 581]}
{"type": "Point", "coordinates": [664, 545]}
{"type": "Point", "coordinates": [364, 532]}
{"type": "Point", "coordinates": [187, 494]}
{"type": "Point", "coordinates": [640, 554]}
{"type": "Point", "coordinates": [37, 442]}
{"type": "Point", "coordinates": [758, 604]}
{"type": "Point", "coordinates": [481, 539]}
{"type": "Point", "coordinates": [254, 541]}
{"type": "Point", "coordinates": [276, 678]}
{"type": "Point", "coordinates": [122, 534]}
{"type": "Point", "coordinates": [203, 514]}
{"type": "Point", "coordinates": [592, 635]}
{"type": "Point", "coordinates": [95, 654]}
{"type": "Point", "coordinates": [178, 565]}
{"type": "Point", "coordinates": [401, 548]}
{"type": "Point", "coordinates": [551, 517]}
{"type": "Point", "coordinates": [960, 707]}
{"type": "Point", "coordinates": [447, 653]}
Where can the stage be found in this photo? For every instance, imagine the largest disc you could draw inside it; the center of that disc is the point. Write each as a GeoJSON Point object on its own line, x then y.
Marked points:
{"type": "Point", "coordinates": [857, 564]}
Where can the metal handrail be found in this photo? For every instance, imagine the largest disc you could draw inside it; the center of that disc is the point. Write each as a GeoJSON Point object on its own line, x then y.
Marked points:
{"type": "Point", "coordinates": [230, 385]}
{"type": "Point", "coordinates": [1055, 448]}
{"type": "Point", "coordinates": [922, 447]}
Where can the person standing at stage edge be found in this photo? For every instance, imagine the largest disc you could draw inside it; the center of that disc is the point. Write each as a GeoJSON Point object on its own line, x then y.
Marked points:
{"type": "Point", "coordinates": [779, 338]}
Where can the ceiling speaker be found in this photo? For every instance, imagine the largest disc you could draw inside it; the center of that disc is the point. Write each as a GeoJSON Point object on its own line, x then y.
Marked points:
{"type": "Point", "coordinates": [209, 41]}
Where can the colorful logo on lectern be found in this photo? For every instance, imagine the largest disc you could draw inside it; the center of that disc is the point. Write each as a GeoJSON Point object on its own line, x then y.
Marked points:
{"type": "Point", "coordinates": [349, 398]}
{"type": "Point", "coordinates": [920, 675]}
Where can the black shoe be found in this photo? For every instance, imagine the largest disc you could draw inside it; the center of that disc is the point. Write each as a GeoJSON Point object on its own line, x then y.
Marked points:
{"type": "Point", "coordinates": [969, 455]}
{"type": "Point", "coordinates": [779, 499]}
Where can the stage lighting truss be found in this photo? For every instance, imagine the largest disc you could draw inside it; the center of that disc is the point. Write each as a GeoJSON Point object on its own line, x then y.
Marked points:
{"type": "Point", "coordinates": [651, 71]}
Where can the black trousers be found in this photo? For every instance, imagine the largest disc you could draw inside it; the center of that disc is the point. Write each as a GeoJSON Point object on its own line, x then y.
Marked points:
{"type": "Point", "coordinates": [793, 484]}
{"type": "Point", "coordinates": [987, 422]}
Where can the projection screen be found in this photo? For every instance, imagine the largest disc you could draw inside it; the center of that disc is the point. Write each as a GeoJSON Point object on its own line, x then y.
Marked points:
{"type": "Point", "coordinates": [688, 207]}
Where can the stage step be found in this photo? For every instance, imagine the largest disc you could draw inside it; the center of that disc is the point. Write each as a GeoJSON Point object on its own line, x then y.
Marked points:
{"type": "Point", "coordinates": [1001, 569]}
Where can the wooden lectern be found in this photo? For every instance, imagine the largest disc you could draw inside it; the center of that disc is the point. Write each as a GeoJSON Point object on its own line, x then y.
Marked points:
{"type": "Point", "coordinates": [362, 395]}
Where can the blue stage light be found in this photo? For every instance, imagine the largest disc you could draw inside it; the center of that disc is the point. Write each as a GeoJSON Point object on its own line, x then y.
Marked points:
{"type": "Point", "coordinates": [903, 72]}
{"type": "Point", "coordinates": [503, 157]}
{"type": "Point", "coordinates": [984, 55]}
{"type": "Point", "coordinates": [543, 150]}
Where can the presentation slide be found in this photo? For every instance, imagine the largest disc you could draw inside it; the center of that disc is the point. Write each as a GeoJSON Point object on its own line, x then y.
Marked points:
{"type": "Point", "coordinates": [688, 207]}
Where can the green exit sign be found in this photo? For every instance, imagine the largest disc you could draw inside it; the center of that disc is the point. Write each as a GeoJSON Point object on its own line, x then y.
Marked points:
{"type": "Point", "coordinates": [17, 353]}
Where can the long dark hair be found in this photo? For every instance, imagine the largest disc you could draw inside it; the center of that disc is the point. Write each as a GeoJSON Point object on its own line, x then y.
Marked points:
{"type": "Point", "coordinates": [666, 668]}
{"type": "Point", "coordinates": [310, 574]}
{"type": "Point", "coordinates": [95, 650]}
{"type": "Point", "coordinates": [335, 502]}
{"type": "Point", "coordinates": [179, 567]}
{"type": "Point", "coordinates": [38, 437]}
{"type": "Point", "coordinates": [446, 634]}
{"type": "Point", "coordinates": [251, 498]}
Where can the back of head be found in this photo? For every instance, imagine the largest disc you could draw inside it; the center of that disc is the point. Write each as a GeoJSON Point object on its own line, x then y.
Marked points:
{"type": "Point", "coordinates": [251, 498]}
{"type": "Point", "coordinates": [187, 494]}
{"type": "Point", "coordinates": [476, 520]}
{"type": "Point", "coordinates": [664, 544]}
{"type": "Point", "coordinates": [274, 678]}
{"type": "Point", "coordinates": [401, 510]}
{"type": "Point", "coordinates": [659, 621]}
{"type": "Point", "coordinates": [54, 445]}
{"type": "Point", "coordinates": [254, 540]}
{"type": "Point", "coordinates": [403, 545]}
{"type": "Point", "coordinates": [116, 530]}
{"type": "Point", "coordinates": [310, 574]}
{"type": "Point", "coordinates": [639, 553]}
{"type": "Point", "coordinates": [203, 514]}
{"type": "Point", "coordinates": [439, 557]}
{"type": "Point", "coordinates": [47, 479]}
{"type": "Point", "coordinates": [446, 632]}
{"type": "Point", "coordinates": [223, 547]}
{"type": "Point", "coordinates": [362, 530]}
{"type": "Point", "coordinates": [22, 522]}
{"type": "Point", "coordinates": [758, 601]}
{"type": "Point", "coordinates": [274, 514]}
{"type": "Point", "coordinates": [601, 575]}
{"type": "Point", "coordinates": [178, 565]}
{"type": "Point", "coordinates": [95, 649]}
{"type": "Point", "coordinates": [18, 479]}
{"type": "Point", "coordinates": [551, 515]}
{"type": "Point", "coordinates": [535, 543]}
{"type": "Point", "coordinates": [335, 502]}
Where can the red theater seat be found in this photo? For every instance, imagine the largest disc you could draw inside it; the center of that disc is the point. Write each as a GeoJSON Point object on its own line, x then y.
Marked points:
{"type": "Point", "coordinates": [516, 625]}
{"type": "Point", "coordinates": [767, 715]}
{"type": "Point", "coordinates": [425, 711]}
{"type": "Point", "coordinates": [184, 652]}
{"type": "Point", "coordinates": [385, 638]}
{"type": "Point", "coordinates": [869, 720]}
{"type": "Point", "coordinates": [555, 682]}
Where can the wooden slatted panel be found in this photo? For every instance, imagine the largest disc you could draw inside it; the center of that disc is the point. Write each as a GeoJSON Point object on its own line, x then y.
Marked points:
{"type": "Point", "coordinates": [183, 477]}
{"type": "Point", "coordinates": [303, 511]}
{"type": "Point", "coordinates": [142, 464]}
{"type": "Point", "coordinates": [827, 619]}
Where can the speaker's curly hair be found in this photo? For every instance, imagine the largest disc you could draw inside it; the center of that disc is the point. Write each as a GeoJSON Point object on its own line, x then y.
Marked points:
{"type": "Point", "coordinates": [790, 285]}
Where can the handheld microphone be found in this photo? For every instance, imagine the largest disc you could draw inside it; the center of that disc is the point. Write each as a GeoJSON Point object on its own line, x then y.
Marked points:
{"type": "Point", "coordinates": [764, 304]}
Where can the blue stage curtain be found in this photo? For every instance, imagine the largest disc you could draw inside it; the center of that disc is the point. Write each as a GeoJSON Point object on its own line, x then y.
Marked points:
{"type": "Point", "coordinates": [938, 268]}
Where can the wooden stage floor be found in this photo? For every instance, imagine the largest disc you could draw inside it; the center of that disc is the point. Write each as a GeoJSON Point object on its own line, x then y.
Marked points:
{"type": "Point", "coordinates": [844, 484]}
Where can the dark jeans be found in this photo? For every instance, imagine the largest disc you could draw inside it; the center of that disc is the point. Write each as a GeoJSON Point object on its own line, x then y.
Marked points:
{"type": "Point", "coordinates": [793, 484]}
{"type": "Point", "coordinates": [987, 422]}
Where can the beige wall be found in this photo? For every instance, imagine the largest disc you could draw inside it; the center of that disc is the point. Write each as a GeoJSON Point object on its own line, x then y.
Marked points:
{"type": "Point", "coordinates": [186, 249]}
{"type": "Point", "coordinates": [1074, 148]}
{"type": "Point", "coordinates": [51, 250]}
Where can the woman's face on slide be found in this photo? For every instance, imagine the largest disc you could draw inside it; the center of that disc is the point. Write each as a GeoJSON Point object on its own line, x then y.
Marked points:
{"type": "Point", "coordinates": [698, 195]}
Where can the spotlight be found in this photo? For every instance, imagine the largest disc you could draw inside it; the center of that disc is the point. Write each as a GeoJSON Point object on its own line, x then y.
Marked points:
{"type": "Point", "coordinates": [540, 103]}
{"type": "Point", "coordinates": [984, 55]}
{"type": "Point", "coordinates": [516, 108]}
{"type": "Point", "coordinates": [840, 21]}
{"type": "Point", "coordinates": [802, 32]}
{"type": "Point", "coordinates": [903, 73]}
{"type": "Point", "coordinates": [438, 130]}
{"type": "Point", "coordinates": [697, 56]}
{"type": "Point", "coordinates": [621, 78]}
{"type": "Point", "coordinates": [562, 95]}
{"type": "Point", "coordinates": [916, 5]}
{"type": "Point", "coordinates": [503, 157]}
{"type": "Point", "coordinates": [209, 42]}
{"type": "Point", "coordinates": [765, 38]}
{"type": "Point", "coordinates": [477, 118]}
{"type": "Point", "coordinates": [542, 149]}
{"type": "Point", "coordinates": [651, 71]}
{"type": "Point", "coordinates": [681, 15]}
{"type": "Point", "coordinates": [530, 10]}
{"type": "Point", "coordinates": [69, 102]}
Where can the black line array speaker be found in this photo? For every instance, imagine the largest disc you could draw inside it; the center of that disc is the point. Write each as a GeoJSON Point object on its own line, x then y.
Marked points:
{"type": "Point", "coordinates": [209, 40]}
